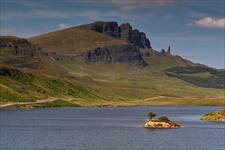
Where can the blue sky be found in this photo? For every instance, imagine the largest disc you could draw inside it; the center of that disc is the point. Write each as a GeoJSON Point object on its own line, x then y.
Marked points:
{"type": "Point", "coordinates": [193, 28]}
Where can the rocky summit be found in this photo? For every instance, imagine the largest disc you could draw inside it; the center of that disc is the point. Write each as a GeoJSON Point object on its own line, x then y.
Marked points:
{"type": "Point", "coordinates": [18, 46]}
{"type": "Point", "coordinates": [96, 42]}
{"type": "Point", "coordinates": [123, 31]}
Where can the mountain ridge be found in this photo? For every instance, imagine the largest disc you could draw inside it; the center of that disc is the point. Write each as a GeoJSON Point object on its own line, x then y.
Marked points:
{"type": "Point", "coordinates": [124, 32]}
{"type": "Point", "coordinates": [109, 31]}
{"type": "Point", "coordinates": [86, 64]}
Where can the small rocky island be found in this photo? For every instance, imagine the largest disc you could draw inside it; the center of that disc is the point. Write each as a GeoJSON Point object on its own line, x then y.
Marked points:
{"type": "Point", "coordinates": [217, 116]}
{"type": "Point", "coordinates": [162, 122]}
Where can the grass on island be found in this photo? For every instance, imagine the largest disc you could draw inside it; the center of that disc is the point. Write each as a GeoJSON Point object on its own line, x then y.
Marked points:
{"type": "Point", "coordinates": [218, 116]}
{"type": "Point", "coordinates": [160, 122]}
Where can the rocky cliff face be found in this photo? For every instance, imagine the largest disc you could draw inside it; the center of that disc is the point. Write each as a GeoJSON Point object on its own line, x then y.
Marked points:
{"type": "Point", "coordinates": [18, 46]}
{"type": "Point", "coordinates": [124, 32]}
{"type": "Point", "coordinates": [164, 52]}
{"type": "Point", "coordinates": [121, 54]}
{"type": "Point", "coordinates": [126, 53]}
{"type": "Point", "coordinates": [113, 54]}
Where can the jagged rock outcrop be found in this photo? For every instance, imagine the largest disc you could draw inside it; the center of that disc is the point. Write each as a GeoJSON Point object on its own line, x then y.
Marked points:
{"type": "Point", "coordinates": [166, 52]}
{"type": "Point", "coordinates": [108, 28]}
{"type": "Point", "coordinates": [158, 124]}
{"type": "Point", "coordinates": [163, 51]}
{"type": "Point", "coordinates": [111, 28]}
{"type": "Point", "coordinates": [124, 32]}
{"type": "Point", "coordinates": [18, 46]}
{"type": "Point", "coordinates": [121, 54]}
{"type": "Point", "coordinates": [134, 36]}
{"type": "Point", "coordinates": [125, 53]}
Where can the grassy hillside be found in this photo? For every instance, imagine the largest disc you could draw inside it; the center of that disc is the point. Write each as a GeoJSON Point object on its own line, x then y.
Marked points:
{"type": "Point", "coordinates": [166, 80]}
{"type": "Point", "coordinates": [92, 85]}
{"type": "Point", "coordinates": [199, 75]}
{"type": "Point", "coordinates": [17, 85]}
{"type": "Point", "coordinates": [141, 82]}
{"type": "Point", "coordinates": [74, 41]}
{"type": "Point", "coordinates": [160, 61]}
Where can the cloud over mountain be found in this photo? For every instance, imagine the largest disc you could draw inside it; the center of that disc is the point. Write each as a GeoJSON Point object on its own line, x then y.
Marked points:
{"type": "Point", "coordinates": [63, 26]}
{"type": "Point", "coordinates": [209, 22]}
{"type": "Point", "coordinates": [134, 4]}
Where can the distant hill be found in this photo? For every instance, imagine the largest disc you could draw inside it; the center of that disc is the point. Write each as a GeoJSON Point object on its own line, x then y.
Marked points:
{"type": "Point", "coordinates": [100, 62]}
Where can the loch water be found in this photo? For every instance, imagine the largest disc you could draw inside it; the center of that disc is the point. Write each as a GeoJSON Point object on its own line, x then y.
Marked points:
{"type": "Point", "coordinates": [108, 129]}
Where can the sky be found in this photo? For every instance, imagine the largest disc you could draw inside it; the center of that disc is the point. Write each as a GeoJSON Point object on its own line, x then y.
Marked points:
{"type": "Point", "coordinates": [195, 29]}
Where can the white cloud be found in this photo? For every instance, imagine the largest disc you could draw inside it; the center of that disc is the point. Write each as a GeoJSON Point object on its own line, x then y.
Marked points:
{"type": "Point", "coordinates": [134, 4]}
{"type": "Point", "coordinates": [209, 22]}
{"type": "Point", "coordinates": [63, 26]}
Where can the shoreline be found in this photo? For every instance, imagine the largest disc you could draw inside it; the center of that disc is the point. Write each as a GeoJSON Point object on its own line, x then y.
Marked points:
{"type": "Point", "coordinates": [89, 103]}
{"type": "Point", "coordinates": [99, 106]}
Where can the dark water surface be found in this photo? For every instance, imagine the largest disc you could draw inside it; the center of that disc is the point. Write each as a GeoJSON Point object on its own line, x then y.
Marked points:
{"type": "Point", "coordinates": [108, 129]}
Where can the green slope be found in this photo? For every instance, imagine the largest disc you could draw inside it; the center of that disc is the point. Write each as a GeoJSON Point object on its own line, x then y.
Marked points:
{"type": "Point", "coordinates": [17, 85]}
{"type": "Point", "coordinates": [74, 41]}
{"type": "Point", "coordinates": [199, 75]}
{"type": "Point", "coordinates": [165, 81]}
{"type": "Point", "coordinates": [132, 82]}
{"type": "Point", "coordinates": [117, 85]}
